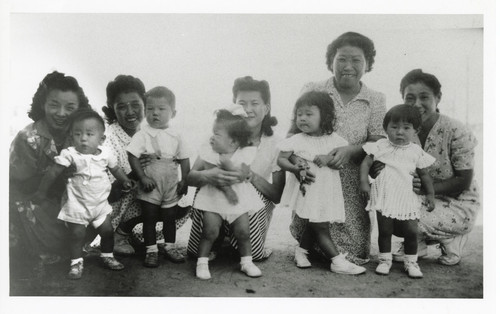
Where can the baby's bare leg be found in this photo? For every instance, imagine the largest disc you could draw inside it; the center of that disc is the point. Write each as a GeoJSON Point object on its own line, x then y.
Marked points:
{"type": "Point", "coordinates": [230, 194]}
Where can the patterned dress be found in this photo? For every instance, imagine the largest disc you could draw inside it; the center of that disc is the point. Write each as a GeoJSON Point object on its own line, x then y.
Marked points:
{"type": "Point", "coordinates": [127, 207]}
{"type": "Point", "coordinates": [452, 144]}
{"type": "Point", "coordinates": [355, 121]}
{"type": "Point", "coordinates": [35, 228]}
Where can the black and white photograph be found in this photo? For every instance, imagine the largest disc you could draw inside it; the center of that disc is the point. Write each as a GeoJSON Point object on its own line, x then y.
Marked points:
{"type": "Point", "coordinates": [221, 158]}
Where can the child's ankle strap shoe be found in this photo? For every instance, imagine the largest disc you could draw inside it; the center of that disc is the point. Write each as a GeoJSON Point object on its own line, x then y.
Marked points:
{"type": "Point", "coordinates": [384, 264]}
{"type": "Point", "coordinates": [250, 269]}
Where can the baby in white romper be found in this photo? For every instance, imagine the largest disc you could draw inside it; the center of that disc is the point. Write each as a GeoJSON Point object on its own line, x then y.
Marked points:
{"type": "Point", "coordinates": [85, 201]}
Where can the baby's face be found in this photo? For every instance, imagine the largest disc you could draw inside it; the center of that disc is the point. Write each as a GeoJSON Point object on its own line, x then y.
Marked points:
{"type": "Point", "coordinates": [220, 141]}
{"type": "Point", "coordinates": [87, 135]}
{"type": "Point", "coordinates": [158, 112]}
{"type": "Point", "coordinates": [401, 132]}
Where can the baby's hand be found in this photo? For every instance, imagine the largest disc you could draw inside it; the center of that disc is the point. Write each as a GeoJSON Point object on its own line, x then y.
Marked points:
{"type": "Point", "coordinates": [365, 189]}
{"type": "Point", "coordinates": [182, 187]}
{"type": "Point", "coordinates": [430, 202]}
{"type": "Point", "coordinates": [230, 194]}
{"type": "Point", "coordinates": [148, 184]}
{"type": "Point", "coordinates": [322, 160]}
{"type": "Point", "coordinates": [128, 186]}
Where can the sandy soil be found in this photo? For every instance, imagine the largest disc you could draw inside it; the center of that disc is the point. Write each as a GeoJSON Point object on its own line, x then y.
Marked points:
{"type": "Point", "coordinates": [281, 277]}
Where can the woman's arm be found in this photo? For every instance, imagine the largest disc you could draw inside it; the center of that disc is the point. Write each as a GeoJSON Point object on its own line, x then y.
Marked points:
{"type": "Point", "coordinates": [272, 191]}
{"type": "Point", "coordinates": [453, 186]}
{"type": "Point", "coordinates": [48, 179]}
{"type": "Point", "coordinates": [199, 175]}
{"type": "Point", "coordinates": [355, 153]}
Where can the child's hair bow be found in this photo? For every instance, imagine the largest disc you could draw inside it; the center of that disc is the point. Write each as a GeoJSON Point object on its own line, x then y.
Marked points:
{"type": "Point", "coordinates": [237, 110]}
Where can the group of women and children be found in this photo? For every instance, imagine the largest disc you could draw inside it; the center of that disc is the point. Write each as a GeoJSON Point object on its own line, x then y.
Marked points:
{"type": "Point", "coordinates": [344, 155]}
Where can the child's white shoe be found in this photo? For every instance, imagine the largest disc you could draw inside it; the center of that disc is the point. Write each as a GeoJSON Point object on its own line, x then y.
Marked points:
{"type": "Point", "coordinates": [384, 264]}
{"type": "Point", "coordinates": [301, 258]}
{"type": "Point", "coordinates": [250, 269]}
{"type": "Point", "coordinates": [411, 266]}
{"type": "Point", "coordinates": [202, 271]}
{"type": "Point", "coordinates": [342, 266]}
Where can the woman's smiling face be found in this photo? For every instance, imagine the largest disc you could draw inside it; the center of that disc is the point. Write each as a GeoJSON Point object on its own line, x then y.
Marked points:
{"type": "Point", "coordinates": [254, 106]}
{"type": "Point", "coordinates": [129, 110]}
{"type": "Point", "coordinates": [422, 97]}
{"type": "Point", "coordinates": [349, 65]}
{"type": "Point", "coordinates": [58, 106]}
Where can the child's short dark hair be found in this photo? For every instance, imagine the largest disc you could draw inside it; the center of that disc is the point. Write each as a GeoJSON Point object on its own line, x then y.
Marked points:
{"type": "Point", "coordinates": [85, 114]}
{"type": "Point", "coordinates": [405, 113]}
{"type": "Point", "coordinates": [324, 102]}
{"type": "Point", "coordinates": [236, 126]}
{"type": "Point", "coordinates": [161, 92]}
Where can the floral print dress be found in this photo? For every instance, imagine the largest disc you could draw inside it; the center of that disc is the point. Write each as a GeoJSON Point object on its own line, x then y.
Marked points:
{"type": "Point", "coordinates": [452, 144]}
{"type": "Point", "coordinates": [35, 228]}
{"type": "Point", "coordinates": [355, 121]}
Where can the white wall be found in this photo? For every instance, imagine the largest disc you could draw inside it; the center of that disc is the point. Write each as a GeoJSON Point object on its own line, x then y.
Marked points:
{"type": "Point", "coordinates": [199, 56]}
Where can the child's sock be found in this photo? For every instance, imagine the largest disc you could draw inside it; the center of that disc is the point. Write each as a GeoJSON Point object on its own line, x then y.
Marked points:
{"type": "Point", "coordinates": [411, 258]}
{"type": "Point", "coordinates": [169, 245]}
{"type": "Point", "coordinates": [245, 260]}
{"type": "Point", "coordinates": [202, 260]}
{"type": "Point", "coordinates": [76, 261]}
{"type": "Point", "coordinates": [107, 254]}
{"type": "Point", "coordinates": [160, 242]}
{"type": "Point", "coordinates": [151, 248]}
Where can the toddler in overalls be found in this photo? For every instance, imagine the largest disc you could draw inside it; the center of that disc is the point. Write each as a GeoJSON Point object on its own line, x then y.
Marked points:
{"type": "Point", "coordinates": [160, 188]}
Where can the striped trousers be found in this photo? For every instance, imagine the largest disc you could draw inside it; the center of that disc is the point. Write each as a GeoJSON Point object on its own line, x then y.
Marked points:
{"type": "Point", "coordinates": [258, 221]}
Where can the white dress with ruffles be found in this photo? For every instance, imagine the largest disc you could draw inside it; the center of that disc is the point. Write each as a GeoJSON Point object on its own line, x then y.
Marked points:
{"type": "Point", "coordinates": [209, 198]}
{"type": "Point", "coordinates": [392, 191]}
{"type": "Point", "coordinates": [323, 201]}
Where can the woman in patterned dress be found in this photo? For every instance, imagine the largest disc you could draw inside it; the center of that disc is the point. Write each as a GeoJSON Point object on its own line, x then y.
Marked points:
{"type": "Point", "coordinates": [35, 229]}
{"type": "Point", "coordinates": [124, 113]}
{"type": "Point", "coordinates": [255, 98]}
{"type": "Point", "coordinates": [359, 111]}
{"type": "Point", "coordinates": [452, 144]}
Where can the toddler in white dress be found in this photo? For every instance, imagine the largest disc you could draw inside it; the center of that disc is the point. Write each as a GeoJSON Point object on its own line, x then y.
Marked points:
{"type": "Point", "coordinates": [229, 151]}
{"type": "Point", "coordinates": [321, 202]}
{"type": "Point", "coordinates": [391, 194]}
{"type": "Point", "coordinates": [86, 198]}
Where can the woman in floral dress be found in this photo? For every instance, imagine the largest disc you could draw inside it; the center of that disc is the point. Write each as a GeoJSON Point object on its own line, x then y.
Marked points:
{"type": "Point", "coordinates": [35, 229]}
{"type": "Point", "coordinates": [452, 144]}
{"type": "Point", "coordinates": [359, 111]}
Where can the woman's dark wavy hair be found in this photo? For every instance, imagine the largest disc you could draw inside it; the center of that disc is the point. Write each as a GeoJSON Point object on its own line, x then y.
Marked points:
{"type": "Point", "coordinates": [326, 109]}
{"type": "Point", "coordinates": [55, 81]}
{"type": "Point", "coordinates": [404, 113]}
{"type": "Point", "coordinates": [419, 76]}
{"type": "Point", "coordinates": [247, 83]}
{"type": "Point", "coordinates": [84, 114]}
{"type": "Point", "coordinates": [121, 84]}
{"type": "Point", "coordinates": [352, 39]}
{"type": "Point", "coordinates": [236, 126]}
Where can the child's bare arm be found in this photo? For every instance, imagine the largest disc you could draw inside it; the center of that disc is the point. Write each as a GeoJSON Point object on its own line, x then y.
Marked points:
{"type": "Point", "coordinates": [363, 173]}
{"type": "Point", "coordinates": [48, 179]}
{"type": "Point", "coordinates": [285, 164]}
{"type": "Point", "coordinates": [228, 191]}
{"type": "Point", "coordinates": [147, 184]}
{"type": "Point", "coordinates": [428, 185]}
{"type": "Point", "coordinates": [182, 186]}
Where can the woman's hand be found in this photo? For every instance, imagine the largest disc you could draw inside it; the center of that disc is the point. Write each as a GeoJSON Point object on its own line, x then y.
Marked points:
{"type": "Point", "coordinates": [146, 160]}
{"type": "Point", "coordinates": [304, 175]}
{"type": "Point", "coordinates": [322, 160]}
{"type": "Point", "coordinates": [341, 156]}
{"type": "Point", "coordinates": [219, 178]}
{"type": "Point", "coordinates": [182, 187]}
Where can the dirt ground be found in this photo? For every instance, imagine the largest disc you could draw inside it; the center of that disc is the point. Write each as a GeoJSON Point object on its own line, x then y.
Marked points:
{"type": "Point", "coordinates": [281, 278]}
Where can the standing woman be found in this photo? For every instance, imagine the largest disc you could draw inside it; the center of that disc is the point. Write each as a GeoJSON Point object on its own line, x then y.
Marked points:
{"type": "Point", "coordinates": [359, 111]}
{"type": "Point", "coordinates": [124, 113]}
{"type": "Point", "coordinates": [35, 228]}
{"type": "Point", "coordinates": [255, 98]}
